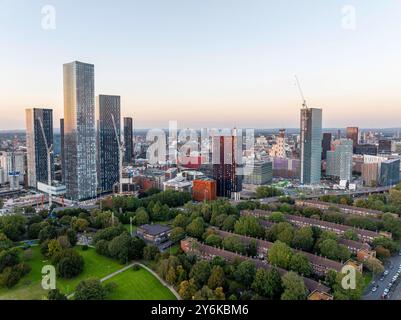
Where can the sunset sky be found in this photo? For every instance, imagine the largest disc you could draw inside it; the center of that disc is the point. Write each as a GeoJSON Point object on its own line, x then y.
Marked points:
{"type": "Point", "coordinates": [208, 63]}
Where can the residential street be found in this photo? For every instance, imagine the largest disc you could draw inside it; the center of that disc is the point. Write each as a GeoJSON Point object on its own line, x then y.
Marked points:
{"type": "Point", "coordinates": [395, 292]}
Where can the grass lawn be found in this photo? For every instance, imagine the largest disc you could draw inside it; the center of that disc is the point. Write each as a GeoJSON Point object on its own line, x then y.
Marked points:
{"type": "Point", "coordinates": [29, 287]}
{"type": "Point", "coordinates": [139, 285]}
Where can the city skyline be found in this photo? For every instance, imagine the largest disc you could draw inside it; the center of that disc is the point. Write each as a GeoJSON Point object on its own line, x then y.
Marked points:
{"type": "Point", "coordinates": [213, 72]}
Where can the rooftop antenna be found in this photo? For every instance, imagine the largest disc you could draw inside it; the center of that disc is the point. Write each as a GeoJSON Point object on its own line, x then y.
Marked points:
{"type": "Point", "coordinates": [304, 105]}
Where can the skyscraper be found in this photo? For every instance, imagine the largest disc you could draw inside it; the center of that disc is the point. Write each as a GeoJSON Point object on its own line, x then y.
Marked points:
{"type": "Point", "coordinates": [326, 144]}
{"type": "Point", "coordinates": [38, 139]}
{"type": "Point", "coordinates": [62, 149]}
{"type": "Point", "coordinates": [128, 140]}
{"type": "Point", "coordinates": [311, 145]}
{"type": "Point", "coordinates": [385, 146]}
{"type": "Point", "coordinates": [226, 159]}
{"type": "Point", "coordinates": [339, 161]}
{"type": "Point", "coordinates": [108, 116]}
{"type": "Point", "coordinates": [353, 134]}
{"type": "Point", "coordinates": [79, 130]}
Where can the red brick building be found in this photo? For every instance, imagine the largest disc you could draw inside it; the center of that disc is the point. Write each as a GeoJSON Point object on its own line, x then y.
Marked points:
{"type": "Point", "coordinates": [204, 189]}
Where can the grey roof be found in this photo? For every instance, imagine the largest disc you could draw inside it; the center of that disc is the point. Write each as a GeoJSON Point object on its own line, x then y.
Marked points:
{"type": "Point", "coordinates": [154, 229]}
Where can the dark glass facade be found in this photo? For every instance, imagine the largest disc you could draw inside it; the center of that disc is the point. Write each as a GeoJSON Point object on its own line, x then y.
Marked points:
{"type": "Point", "coordinates": [108, 151]}
{"type": "Point", "coordinates": [128, 140]}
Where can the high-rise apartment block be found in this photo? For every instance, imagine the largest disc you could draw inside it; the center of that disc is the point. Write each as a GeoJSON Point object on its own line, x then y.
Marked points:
{"type": "Point", "coordinates": [326, 144]}
{"type": "Point", "coordinates": [353, 134]}
{"type": "Point", "coordinates": [339, 161]}
{"type": "Point", "coordinates": [108, 131]}
{"type": "Point", "coordinates": [226, 161]}
{"type": "Point", "coordinates": [311, 145]}
{"type": "Point", "coordinates": [39, 137]}
{"type": "Point", "coordinates": [128, 140]}
{"type": "Point", "coordinates": [79, 131]}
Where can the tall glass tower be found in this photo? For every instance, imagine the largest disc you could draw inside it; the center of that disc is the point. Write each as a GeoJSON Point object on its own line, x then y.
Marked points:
{"type": "Point", "coordinates": [128, 140]}
{"type": "Point", "coordinates": [79, 131]}
{"type": "Point", "coordinates": [108, 116]}
{"type": "Point", "coordinates": [311, 145]}
{"type": "Point", "coordinates": [36, 139]}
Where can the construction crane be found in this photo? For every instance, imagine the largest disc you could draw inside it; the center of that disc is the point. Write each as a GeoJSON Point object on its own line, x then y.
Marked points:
{"type": "Point", "coordinates": [304, 105]}
{"type": "Point", "coordinates": [49, 151]}
{"type": "Point", "coordinates": [120, 144]}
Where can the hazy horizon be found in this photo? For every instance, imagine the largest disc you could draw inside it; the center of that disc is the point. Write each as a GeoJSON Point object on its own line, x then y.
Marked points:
{"type": "Point", "coordinates": [209, 63]}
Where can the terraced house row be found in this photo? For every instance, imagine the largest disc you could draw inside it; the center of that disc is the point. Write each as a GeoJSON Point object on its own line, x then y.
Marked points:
{"type": "Point", "coordinates": [320, 265]}
{"type": "Point", "coordinates": [193, 246]}
{"type": "Point", "coordinates": [363, 235]}
{"type": "Point", "coordinates": [342, 207]}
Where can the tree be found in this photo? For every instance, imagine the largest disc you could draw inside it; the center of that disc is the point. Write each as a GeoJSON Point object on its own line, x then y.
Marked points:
{"type": "Point", "coordinates": [229, 223]}
{"type": "Point", "coordinates": [219, 294]}
{"type": "Point", "coordinates": [55, 294]}
{"type": "Point", "coordinates": [234, 244]}
{"type": "Point", "coordinates": [171, 276]}
{"type": "Point", "coordinates": [217, 278]}
{"type": "Point", "coordinates": [280, 255]}
{"type": "Point", "coordinates": [332, 250]}
{"type": "Point", "coordinates": [303, 239]}
{"type": "Point", "coordinates": [351, 293]}
{"type": "Point", "coordinates": [177, 234]}
{"type": "Point", "coordinates": [300, 264]}
{"type": "Point", "coordinates": [249, 226]}
{"type": "Point", "coordinates": [268, 283]}
{"type": "Point", "coordinates": [187, 289]}
{"type": "Point", "coordinates": [9, 258]}
{"type": "Point", "coordinates": [277, 217]}
{"type": "Point", "coordinates": [386, 243]}
{"type": "Point", "coordinates": [213, 240]}
{"type": "Point", "coordinates": [245, 273]}
{"type": "Point", "coordinates": [119, 248]}
{"type": "Point", "coordinates": [282, 231]}
{"type": "Point", "coordinates": [350, 234]}
{"type": "Point", "coordinates": [72, 237]}
{"type": "Point", "coordinates": [180, 221]}
{"type": "Point", "coordinates": [150, 252]}
{"type": "Point", "coordinates": [267, 192]}
{"type": "Point", "coordinates": [47, 233]}
{"type": "Point", "coordinates": [92, 289]}
{"type": "Point", "coordinates": [294, 287]}
{"type": "Point", "coordinates": [200, 272]}
{"type": "Point", "coordinates": [13, 226]}
{"type": "Point", "coordinates": [196, 228]}
{"type": "Point", "coordinates": [79, 224]}
{"type": "Point", "coordinates": [69, 263]}
{"type": "Point", "coordinates": [141, 217]}
{"type": "Point", "coordinates": [54, 247]}
{"type": "Point", "coordinates": [374, 265]}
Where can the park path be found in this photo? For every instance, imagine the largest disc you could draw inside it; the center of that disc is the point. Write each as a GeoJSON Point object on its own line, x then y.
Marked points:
{"type": "Point", "coordinates": [111, 275]}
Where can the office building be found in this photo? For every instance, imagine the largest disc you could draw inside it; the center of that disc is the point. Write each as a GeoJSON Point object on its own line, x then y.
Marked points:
{"type": "Point", "coordinates": [370, 174]}
{"type": "Point", "coordinates": [262, 173]}
{"type": "Point", "coordinates": [12, 168]}
{"type": "Point", "coordinates": [79, 131]}
{"type": "Point", "coordinates": [62, 149]}
{"type": "Point", "coordinates": [353, 134]}
{"type": "Point", "coordinates": [128, 140]}
{"type": "Point", "coordinates": [368, 149]}
{"type": "Point", "coordinates": [326, 144]}
{"type": "Point", "coordinates": [108, 131]}
{"type": "Point", "coordinates": [385, 146]}
{"type": "Point", "coordinates": [39, 138]}
{"type": "Point", "coordinates": [226, 161]}
{"type": "Point", "coordinates": [390, 172]}
{"type": "Point", "coordinates": [311, 145]}
{"type": "Point", "coordinates": [339, 160]}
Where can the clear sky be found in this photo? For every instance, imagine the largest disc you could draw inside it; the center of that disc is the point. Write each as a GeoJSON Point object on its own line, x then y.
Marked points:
{"type": "Point", "coordinates": [208, 63]}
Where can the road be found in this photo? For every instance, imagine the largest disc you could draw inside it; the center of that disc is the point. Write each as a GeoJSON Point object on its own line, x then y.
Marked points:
{"type": "Point", "coordinates": [392, 266]}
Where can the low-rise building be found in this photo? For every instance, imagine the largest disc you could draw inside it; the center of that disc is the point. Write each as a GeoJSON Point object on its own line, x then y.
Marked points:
{"type": "Point", "coordinates": [155, 234]}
